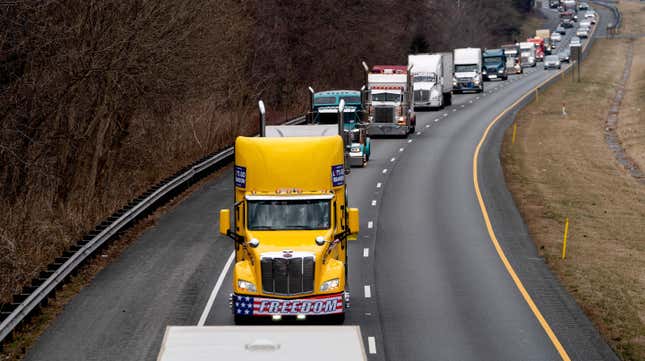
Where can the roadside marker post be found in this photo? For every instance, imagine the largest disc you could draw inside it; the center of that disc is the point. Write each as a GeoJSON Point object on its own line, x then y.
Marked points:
{"type": "Point", "coordinates": [537, 95]}
{"type": "Point", "coordinates": [514, 132]}
{"type": "Point", "coordinates": [564, 240]}
{"type": "Point", "coordinates": [564, 109]}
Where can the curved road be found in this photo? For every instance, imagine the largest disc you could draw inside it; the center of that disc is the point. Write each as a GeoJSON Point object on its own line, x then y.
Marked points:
{"type": "Point", "coordinates": [426, 280]}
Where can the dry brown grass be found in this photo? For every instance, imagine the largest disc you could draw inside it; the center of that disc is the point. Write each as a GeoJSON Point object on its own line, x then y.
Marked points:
{"type": "Point", "coordinates": [561, 167]}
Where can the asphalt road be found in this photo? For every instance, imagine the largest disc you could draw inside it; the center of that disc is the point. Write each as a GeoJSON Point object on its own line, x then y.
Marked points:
{"type": "Point", "coordinates": [437, 288]}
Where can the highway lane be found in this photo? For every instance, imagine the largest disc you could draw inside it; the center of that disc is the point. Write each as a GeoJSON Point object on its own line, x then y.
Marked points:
{"type": "Point", "coordinates": [430, 267]}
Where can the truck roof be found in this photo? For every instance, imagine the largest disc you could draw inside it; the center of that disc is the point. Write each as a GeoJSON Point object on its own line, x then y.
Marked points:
{"type": "Point", "coordinates": [260, 343]}
{"type": "Point", "coordinates": [469, 54]}
{"type": "Point", "coordinates": [424, 63]}
{"type": "Point", "coordinates": [389, 69]}
{"type": "Point", "coordinates": [352, 97]}
{"type": "Point", "coordinates": [306, 163]}
{"type": "Point", "coordinates": [494, 52]}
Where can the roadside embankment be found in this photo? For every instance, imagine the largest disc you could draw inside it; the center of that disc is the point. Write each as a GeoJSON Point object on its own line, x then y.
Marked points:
{"type": "Point", "coordinates": [561, 167]}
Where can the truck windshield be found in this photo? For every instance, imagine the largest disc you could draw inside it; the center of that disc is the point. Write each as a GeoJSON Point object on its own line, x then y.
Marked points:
{"type": "Point", "coordinates": [428, 78]}
{"type": "Point", "coordinates": [465, 68]}
{"type": "Point", "coordinates": [351, 99]}
{"type": "Point", "coordinates": [274, 215]}
{"type": "Point", "coordinates": [386, 97]}
{"type": "Point", "coordinates": [332, 118]}
{"type": "Point", "coordinates": [493, 59]}
{"type": "Point", "coordinates": [325, 101]}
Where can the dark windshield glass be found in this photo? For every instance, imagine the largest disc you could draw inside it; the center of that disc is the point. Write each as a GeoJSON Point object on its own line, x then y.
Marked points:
{"type": "Point", "coordinates": [351, 99]}
{"type": "Point", "coordinates": [493, 59]}
{"type": "Point", "coordinates": [429, 78]}
{"type": "Point", "coordinates": [325, 100]}
{"type": "Point", "coordinates": [386, 97]}
{"type": "Point", "coordinates": [289, 214]}
{"type": "Point", "coordinates": [465, 68]}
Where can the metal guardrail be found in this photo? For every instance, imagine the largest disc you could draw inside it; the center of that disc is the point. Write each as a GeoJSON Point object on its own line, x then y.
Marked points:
{"type": "Point", "coordinates": [617, 15]}
{"type": "Point", "coordinates": [27, 302]}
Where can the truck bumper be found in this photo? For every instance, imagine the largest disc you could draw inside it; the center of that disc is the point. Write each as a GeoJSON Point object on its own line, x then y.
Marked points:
{"type": "Point", "coordinates": [433, 103]}
{"type": "Point", "coordinates": [356, 159]}
{"type": "Point", "coordinates": [387, 129]}
{"type": "Point", "coordinates": [466, 87]}
{"type": "Point", "coordinates": [258, 306]}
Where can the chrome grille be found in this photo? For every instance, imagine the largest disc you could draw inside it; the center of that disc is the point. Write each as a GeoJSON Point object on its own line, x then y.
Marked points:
{"type": "Point", "coordinates": [384, 115]}
{"type": "Point", "coordinates": [288, 276]}
{"type": "Point", "coordinates": [421, 96]}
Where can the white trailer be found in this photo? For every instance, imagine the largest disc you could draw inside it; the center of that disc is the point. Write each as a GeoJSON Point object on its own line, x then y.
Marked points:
{"type": "Point", "coordinates": [262, 343]}
{"type": "Point", "coordinates": [467, 70]}
{"type": "Point", "coordinates": [431, 75]}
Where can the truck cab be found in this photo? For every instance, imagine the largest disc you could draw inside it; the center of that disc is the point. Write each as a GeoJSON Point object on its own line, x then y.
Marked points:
{"type": "Point", "coordinates": [389, 101]}
{"type": "Point", "coordinates": [539, 48]}
{"type": "Point", "coordinates": [513, 60]}
{"type": "Point", "coordinates": [290, 224]}
{"type": "Point", "coordinates": [467, 70]}
{"type": "Point", "coordinates": [527, 54]}
{"type": "Point", "coordinates": [324, 110]}
{"type": "Point", "coordinates": [494, 64]}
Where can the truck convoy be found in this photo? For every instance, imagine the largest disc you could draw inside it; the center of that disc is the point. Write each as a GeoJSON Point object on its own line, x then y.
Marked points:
{"type": "Point", "coordinates": [539, 48]}
{"type": "Point", "coordinates": [513, 62]}
{"type": "Point", "coordinates": [431, 75]}
{"type": "Point", "coordinates": [324, 110]}
{"type": "Point", "coordinates": [527, 54]}
{"type": "Point", "coordinates": [494, 64]}
{"type": "Point", "coordinates": [290, 222]}
{"type": "Point", "coordinates": [545, 34]}
{"type": "Point", "coordinates": [467, 70]}
{"type": "Point", "coordinates": [389, 100]}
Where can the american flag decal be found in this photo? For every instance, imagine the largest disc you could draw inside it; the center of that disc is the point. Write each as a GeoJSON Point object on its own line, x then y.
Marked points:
{"type": "Point", "coordinates": [260, 306]}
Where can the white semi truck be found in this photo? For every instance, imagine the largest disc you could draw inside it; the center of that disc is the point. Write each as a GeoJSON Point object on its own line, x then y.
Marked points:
{"type": "Point", "coordinates": [467, 70]}
{"type": "Point", "coordinates": [431, 75]}
{"type": "Point", "coordinates": [527, 54]}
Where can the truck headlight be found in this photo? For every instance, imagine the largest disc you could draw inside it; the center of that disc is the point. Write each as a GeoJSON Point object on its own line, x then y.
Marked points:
{"type": "Point", "coordinates": [329, 285]}
{"type": "Point", "coordinates": [484, 71]}
{"type": "Point", "coordinates": [476, 80]}
{"type": "Point", "coordinates": [531, 59]}
{"type": "Point", "coordinates": [454, 81]}
{"type": "Point", "coordinates": [246, 285]}
{"type": "Point", "coordinates": [501, 71]}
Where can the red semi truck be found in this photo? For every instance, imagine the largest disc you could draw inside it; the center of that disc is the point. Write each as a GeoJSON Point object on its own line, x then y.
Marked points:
{"type": "Point", "coordinates": [539, 48]}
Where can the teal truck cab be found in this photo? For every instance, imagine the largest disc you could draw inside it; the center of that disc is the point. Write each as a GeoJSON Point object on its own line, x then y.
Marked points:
{"type": "Point", "coordinates": [494, 64]}
{"type": "Point", "coordinates": [324, 110]}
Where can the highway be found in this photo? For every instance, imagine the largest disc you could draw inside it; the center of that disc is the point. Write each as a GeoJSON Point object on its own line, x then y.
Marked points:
{"type": "Point", "coordinates": [427, 281]}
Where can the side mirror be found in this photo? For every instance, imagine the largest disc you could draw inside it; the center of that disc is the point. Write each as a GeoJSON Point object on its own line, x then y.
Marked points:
{"type": "Point", "coordinates": [224, 221]}
{"type": "Point", "coordinates": [353, 224]}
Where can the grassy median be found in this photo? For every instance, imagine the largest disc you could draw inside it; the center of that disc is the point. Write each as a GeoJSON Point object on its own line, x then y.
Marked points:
{"type": "Point", "coordinates": [561, 167]}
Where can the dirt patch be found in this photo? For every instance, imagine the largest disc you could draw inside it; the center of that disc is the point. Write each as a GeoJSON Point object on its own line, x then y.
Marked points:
{"type": "Point", "coordinates": [560, 166]}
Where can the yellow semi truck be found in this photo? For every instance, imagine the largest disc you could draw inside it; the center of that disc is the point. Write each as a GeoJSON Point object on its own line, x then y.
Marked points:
{"type": "Point", "coordinates": [290, 222]}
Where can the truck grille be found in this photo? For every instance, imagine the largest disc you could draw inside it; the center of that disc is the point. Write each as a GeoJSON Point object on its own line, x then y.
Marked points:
{"type": "Point", "coordinates": [288, 276]}
{"type": "Point", "coordinates": [384, 115]}
{"type": "Point", "coordinates": [421, 96]}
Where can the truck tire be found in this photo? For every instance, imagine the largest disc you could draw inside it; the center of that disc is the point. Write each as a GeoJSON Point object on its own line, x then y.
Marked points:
{"type": "Point", "coordinates": [241, 320]}
{"type": "Point", "coordinates": [447, 99]}
{"type": "Point", "coordinates": [337, 319]}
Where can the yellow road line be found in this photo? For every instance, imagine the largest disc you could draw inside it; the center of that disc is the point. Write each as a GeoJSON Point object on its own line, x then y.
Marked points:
{"type": "Point", "coordinates": [493, 237]}
{"type": "Point", "coordinates": [500, 252]}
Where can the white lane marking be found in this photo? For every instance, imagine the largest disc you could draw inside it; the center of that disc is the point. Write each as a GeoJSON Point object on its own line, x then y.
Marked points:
{"type": "Point", "coordinates": [427, 125]}
{"type": "Point", "coordinates": [436, 120]}
{"type": "Point", "coordinates": [470, 101]}
{"type": "Point", "coordinates": [384, 170]}
{"type": "Point", "coordinates": [418, 133]}
{"type": "Point", "coordinates": [476, 97]}
{"type": "Point", "coordinates": [445, 115]}
{"type": "Point", "coordinates": [454, 110]}
{"type": "Point", "coordinates": [378, 185]}
{"type": "Point", "coordinates": [371, 345]}
{"type": "Point", "coordinates": [392, 159]}
{"type": "Point", "coordinates": [373, 202]}
{"type": "Point", "coordinates": [370, 224]}
{"type": "Point", "coordinates": [366, 252]}
{"type": "Point", "coordinates": [463, 105]}
{"type": "Point", "coordinates": [401, 149]}
{"type": "Point", "coordinates": [368, 291]}
{"type": "Point", "coordinates": [409, 140]}
{"type": "Point", "coordinates": [218, 285]}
